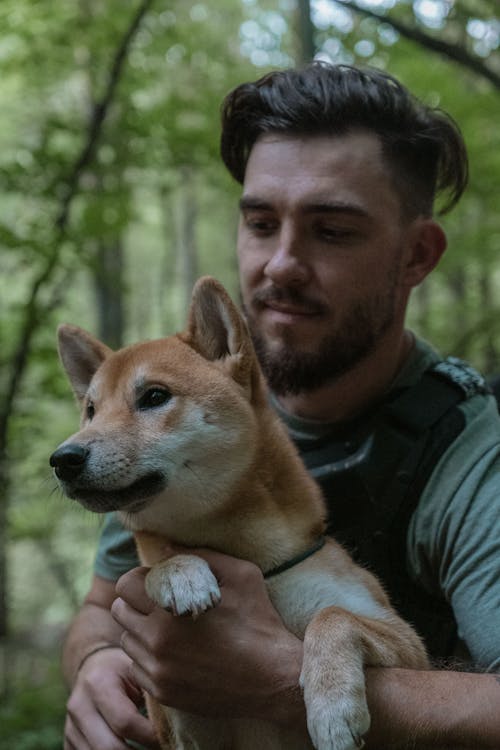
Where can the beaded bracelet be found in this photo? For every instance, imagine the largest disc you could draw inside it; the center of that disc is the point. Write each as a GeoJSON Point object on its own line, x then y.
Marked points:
{"type": "Point", "coordinates": [94, 651]}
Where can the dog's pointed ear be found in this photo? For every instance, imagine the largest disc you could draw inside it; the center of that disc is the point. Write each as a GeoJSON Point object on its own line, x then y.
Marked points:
{"type": "Point", "coordinates": [81, 355]}
{"type": "Point", "coordinates": [216, 330]}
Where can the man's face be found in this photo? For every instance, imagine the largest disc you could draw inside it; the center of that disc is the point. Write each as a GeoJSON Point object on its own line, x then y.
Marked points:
{"type": "Point", "coordinates": [321, 242]}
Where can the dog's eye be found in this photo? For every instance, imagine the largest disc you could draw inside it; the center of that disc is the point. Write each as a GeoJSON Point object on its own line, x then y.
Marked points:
{"type": "Point", "coordinates": [90, 410]}
{"type": "Point", "coordinates": [154, 397]}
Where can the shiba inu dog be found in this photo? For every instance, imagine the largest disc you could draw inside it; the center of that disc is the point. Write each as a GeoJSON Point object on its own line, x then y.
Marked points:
{"type": "Point", "coordinates": [177, 436]}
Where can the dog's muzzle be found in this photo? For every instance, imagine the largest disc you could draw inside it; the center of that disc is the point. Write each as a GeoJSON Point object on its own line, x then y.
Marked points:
{"type": "Point", "coordinates": [79, 482]}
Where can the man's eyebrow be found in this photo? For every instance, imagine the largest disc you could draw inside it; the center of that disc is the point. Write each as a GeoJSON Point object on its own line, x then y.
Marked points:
{"type": "Point", "coordinates": [248, 203]}
{"type": "Point", "coordinates": [335, 207]}
{"type": "Point", "coordinates": [251, 203]}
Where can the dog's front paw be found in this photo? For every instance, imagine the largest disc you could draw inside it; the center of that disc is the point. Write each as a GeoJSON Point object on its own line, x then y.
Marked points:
{"type": "Point", "coordinates": [184, 584]}
{"type": "Point", "coordinates": [337, 723]}
{"type": "Point", "coordinates": [337, 716]}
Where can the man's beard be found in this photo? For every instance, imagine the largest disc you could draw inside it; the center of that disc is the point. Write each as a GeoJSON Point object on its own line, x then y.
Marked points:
{"type": "Point", "coordinates": [289, 371]}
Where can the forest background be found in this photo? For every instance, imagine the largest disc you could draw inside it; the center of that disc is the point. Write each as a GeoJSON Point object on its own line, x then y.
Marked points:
{"type": "Point", "coordinates": [114, 201]}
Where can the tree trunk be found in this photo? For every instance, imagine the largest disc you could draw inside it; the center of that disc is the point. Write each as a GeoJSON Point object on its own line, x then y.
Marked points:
{"type": "Point", "coordinates": [4, 577]}
{"type": "Point", "coordinates": [108, 283]}
{"type": "Point", "coordinates": [491, 361]}
{"type": "Point", "coordinates": [307, 47]}
{"type": "Point", "coordinates": [457, 284]}
{"type": "Point", "coordinates": [187, 248]}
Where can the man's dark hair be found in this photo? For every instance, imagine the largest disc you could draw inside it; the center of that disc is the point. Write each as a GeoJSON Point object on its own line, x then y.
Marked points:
{"type": "Point", "coordinates": [423, 146]}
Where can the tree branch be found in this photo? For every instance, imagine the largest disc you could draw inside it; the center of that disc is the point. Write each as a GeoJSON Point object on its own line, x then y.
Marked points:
{"type": "Point", "coordinates": [454, 52]}
{"type": "Point", "coordinates": [100, 110]}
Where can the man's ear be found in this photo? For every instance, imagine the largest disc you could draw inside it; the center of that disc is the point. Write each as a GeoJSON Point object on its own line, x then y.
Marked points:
{"type": "Point", "coordinates": [216, 330]}
{"type": "Point", "coordinates": [81, 355]}
{"type": "Point", "coordinates": [427, 245]}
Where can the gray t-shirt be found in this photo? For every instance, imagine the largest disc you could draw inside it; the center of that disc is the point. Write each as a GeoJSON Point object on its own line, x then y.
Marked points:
{"type": "Point", "coordinates": [453, 542]}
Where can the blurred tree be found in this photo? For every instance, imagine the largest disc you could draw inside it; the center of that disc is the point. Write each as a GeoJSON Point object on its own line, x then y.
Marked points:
{"type": "Point", "coordinates": [187, 247]}
{"type": "Point", "coordinates": [35, 310]}
{"type": "Point", "coordinates": [307, 48]}
{"type": "Point", "coordinates": [108, 282]}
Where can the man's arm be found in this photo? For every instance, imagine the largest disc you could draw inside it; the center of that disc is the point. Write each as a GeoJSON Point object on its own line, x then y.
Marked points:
{"type": "Point", "coordinates": [433, 710]}
{"type": "Point", "coordinates": [239, 660]}
{"type": "Point", "coordinates": [92, 628]}
{"type": "Point", "coordinates": [104, 700]}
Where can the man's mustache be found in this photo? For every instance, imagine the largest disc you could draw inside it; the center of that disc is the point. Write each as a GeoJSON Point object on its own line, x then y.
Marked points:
{"type": "Point", "coordinates": [287, 295]}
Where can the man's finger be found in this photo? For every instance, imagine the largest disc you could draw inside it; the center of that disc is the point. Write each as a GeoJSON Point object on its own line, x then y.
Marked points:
{"type": "Point", "coordinates": [73, 738]}
{"type": "Point", "coordinates": [87, 728]}
{"type": "Point", "coordinates": [131, 619]}
{"type": "Point", "coordinates": [130, 588]}
{"type": "Point", "coordinates": [125, 721]}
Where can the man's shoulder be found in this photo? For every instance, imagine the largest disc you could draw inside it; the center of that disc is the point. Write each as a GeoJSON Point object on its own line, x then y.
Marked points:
{"type": "Point", "coordinates": [466, 479]}
{"type": "Point", "coordinates": [480, 430]}
{"type": "Point", "coordinates": [472, 393]}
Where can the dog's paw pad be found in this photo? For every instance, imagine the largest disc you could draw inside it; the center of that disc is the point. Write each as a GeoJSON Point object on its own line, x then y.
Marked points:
{"type": "Point", "coordinates": [184, 584]}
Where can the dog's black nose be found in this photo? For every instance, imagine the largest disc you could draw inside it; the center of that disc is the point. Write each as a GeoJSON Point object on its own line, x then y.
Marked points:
{"type": "Point", "coordinates": [69, 460]}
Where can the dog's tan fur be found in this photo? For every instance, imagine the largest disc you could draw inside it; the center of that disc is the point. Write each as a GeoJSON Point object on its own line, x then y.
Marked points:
{"type": "Point", "coordinates": [233, 482]}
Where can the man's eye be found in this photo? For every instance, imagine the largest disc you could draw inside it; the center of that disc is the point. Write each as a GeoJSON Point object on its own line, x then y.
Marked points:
{"type": "Point", "coordinates": [260, 226]}
{"type": "Point", "coordinates": [336, 234]}
{"type": "Point", "coordinates": [153, 398]}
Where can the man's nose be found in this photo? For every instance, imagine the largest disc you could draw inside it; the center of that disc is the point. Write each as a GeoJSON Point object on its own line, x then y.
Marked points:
{"type": "Point", "coordinates": [288, 264]}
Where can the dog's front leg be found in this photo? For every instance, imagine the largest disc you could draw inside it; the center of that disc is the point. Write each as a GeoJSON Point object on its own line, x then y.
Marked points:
{"type": "Point", "coordinates": [337, 647]}
{"type": "Point", "coordinates": [333, 682]}
{"type": "Point", "coordinates": [183, 584]}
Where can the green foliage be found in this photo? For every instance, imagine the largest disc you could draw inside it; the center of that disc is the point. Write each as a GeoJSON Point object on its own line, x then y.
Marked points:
{"type": "Point", "coordinates": [32, 716]}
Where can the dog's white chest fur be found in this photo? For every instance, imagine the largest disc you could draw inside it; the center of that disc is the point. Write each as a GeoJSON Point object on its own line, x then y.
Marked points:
{"type": "Point", "coordinates": [298, 594]}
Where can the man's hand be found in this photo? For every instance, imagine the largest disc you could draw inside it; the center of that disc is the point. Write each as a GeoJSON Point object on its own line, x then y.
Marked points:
{"type": "Point", "coordinates": [237, 659]}
{"type": "Point", "coordinates": [103, 707]}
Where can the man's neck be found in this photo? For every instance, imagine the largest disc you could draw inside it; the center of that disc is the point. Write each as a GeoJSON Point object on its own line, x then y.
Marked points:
{"type": "Point", "coordinates": [354, 392]}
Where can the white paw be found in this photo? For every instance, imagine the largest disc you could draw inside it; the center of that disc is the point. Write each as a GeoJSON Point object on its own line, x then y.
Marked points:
{"type": "Point", "coordinates": [337, 722]}
{"type": "Point", "coordinates": [183, 585]}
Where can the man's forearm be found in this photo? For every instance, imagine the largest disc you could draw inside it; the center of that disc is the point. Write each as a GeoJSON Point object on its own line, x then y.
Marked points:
{"type": "Point", "coordinates": [92, 628]}
{"type": "Point", "coordinates": [433, 710]}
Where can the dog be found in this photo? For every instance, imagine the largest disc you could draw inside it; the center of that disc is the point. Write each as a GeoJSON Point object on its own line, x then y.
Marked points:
{"type": "Point", "coordinates": [178, 437]}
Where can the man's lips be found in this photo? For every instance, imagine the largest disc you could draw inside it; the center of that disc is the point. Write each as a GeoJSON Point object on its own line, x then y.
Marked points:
{"type": "Point", "coordinates": [292, 310]}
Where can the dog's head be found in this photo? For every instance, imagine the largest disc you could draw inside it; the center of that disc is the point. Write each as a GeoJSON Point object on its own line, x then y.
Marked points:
{"type": "Point", "coordinates": [169, 419]}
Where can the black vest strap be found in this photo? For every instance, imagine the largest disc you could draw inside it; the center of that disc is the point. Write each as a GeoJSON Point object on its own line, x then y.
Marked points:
{"type": "Point", "coordinates": [375, 481]}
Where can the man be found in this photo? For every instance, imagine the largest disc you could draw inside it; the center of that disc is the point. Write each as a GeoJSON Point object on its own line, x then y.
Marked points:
{"type": "Point", "coordinates": [340, 169]}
